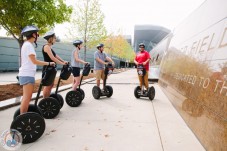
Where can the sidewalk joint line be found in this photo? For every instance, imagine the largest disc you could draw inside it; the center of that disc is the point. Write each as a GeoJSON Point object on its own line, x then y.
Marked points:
{"type": "Point", "coordinates": [157, 126]}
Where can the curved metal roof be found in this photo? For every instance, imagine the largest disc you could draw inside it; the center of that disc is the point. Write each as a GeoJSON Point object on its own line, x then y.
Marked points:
{"type": "Point", "coordinates": [150, 35]}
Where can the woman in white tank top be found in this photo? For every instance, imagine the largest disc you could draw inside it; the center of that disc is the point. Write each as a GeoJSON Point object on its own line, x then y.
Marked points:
{"type": "Point", "coordinates": [28, 65]}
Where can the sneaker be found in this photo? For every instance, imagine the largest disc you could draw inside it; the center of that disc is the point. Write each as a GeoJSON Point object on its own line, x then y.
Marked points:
{"type": "Point", "coordinates": [145, 92]}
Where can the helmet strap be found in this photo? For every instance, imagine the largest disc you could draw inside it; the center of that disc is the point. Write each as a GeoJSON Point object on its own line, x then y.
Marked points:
{"type": "Point", "coordinates": [35, 39]}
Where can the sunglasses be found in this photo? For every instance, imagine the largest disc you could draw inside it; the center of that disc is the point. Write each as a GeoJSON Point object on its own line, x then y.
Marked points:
{"type": "Point", "coordinates": [141, 47]}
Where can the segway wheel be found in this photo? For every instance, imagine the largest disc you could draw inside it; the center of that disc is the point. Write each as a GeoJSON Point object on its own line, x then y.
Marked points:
{"type": "Point", "coordinates": [30, 125]}
{"type": "Point", "coordinates": [110, 91]}
{"type": "Point", "coordinates": [151, 93]}
{"type": "Point", "coordinates": [31, 108]}
{"type": "Point", "coordinates": [96, 92]}
{"type": "Point", "coordinates": [73, 98]}
{"type": "Point", "coordinates": [82, 93]}
{"type": "Point", "coordinates": [59, 98]}
{"type": "Point", "coordinates": [137, 91]}
{"type": "Point", "coordinates": [50, 107]}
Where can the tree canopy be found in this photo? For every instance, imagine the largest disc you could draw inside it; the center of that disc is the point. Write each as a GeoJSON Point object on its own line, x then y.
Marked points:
{"type": "Point", "coordinates": [88, 23]}
{"type": "Point", "coordinates": [16, 14]}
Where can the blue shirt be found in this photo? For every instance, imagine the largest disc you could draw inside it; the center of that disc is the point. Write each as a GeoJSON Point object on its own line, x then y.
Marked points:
{"type": "Point", "coordinates": [102, 56]}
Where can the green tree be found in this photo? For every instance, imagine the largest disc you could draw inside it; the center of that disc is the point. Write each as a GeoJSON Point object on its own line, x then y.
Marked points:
{"type": "Point", "coordinates": [16, 14]}
{"type": "Point", "coordinates": [87, 23]}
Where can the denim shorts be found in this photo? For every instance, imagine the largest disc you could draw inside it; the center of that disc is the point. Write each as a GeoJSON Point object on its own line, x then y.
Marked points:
{"type": "Point", "coordinates": [26, 80]}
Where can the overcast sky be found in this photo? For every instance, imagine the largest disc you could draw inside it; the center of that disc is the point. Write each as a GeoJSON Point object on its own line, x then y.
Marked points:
{"type": "Point", "coordinates": [125, 14]}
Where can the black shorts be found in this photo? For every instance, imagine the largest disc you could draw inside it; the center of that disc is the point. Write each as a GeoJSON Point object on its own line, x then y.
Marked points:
{"type": "Point", "coordinates": [76, 71]}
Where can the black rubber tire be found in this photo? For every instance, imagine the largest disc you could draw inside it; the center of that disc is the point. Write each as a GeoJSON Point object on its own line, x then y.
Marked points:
{"type": "Point", "coordinates": [136, 92]}
{"type": "Point", "coordinates": [110, 90]}
{"type": "Point", "coordinates": [151, 93]}
{"type": "Point", "coordinates": [31, 108]}
{"type": "Point", "coordinates": [50, 107]}
{"type": "Point", "coordinates": [96, 92]}
{"type": "Point", "coordinates": [82, 93]}
{"type": "Point", "coordinates": [59, 98]}
{"type": "Point", "coordinates": [73, 98]}
{"type": "Point", "coordinates": [31, 126]}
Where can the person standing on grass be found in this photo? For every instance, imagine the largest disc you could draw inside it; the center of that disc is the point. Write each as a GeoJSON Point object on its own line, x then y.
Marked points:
{"type": "Point", "coordinates": [75, 63]}
{"type": "Point", "coordinates": [50, 56]}
{"type": "Point", "coordinates": [28, 65]}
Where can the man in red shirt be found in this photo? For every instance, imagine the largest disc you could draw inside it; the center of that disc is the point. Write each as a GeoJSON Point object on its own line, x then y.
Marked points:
{"type": "Point", "coordinates": [143, 57]}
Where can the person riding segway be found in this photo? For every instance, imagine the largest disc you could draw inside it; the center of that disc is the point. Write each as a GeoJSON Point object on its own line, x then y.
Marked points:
{"type": "Point", "coordinates": [28, 118]}
{"type": "Point", "coordinates": [142, 61]}
{"type": "Point", "coordinates": [107, 89]}
{"type": "Point", "coordinates": [75, 97]}
{"type": "Point", "coordinates": [50, 55]}
{"type": "Point", "coordinates": [102, 70]}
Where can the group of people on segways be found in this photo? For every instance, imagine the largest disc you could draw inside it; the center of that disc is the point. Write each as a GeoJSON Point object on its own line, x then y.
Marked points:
{"type": "Point", "coordinates": [29, 119]}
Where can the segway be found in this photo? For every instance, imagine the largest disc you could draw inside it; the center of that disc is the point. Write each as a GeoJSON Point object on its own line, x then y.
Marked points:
{"type": "Point", "coordinates": [64, 75]}
{"type": "Point", "coordinates": [107, 90]}
{"type": "Point", "coordinates": [31, 124]}
{"type": "Point", "coordinates": [140, 92]}
{"type": "Point", "coordinates": [74, 98]}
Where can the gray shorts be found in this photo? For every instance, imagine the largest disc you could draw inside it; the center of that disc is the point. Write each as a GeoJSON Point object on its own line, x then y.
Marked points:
{"type": "Point", "coordinates": [26, 80]}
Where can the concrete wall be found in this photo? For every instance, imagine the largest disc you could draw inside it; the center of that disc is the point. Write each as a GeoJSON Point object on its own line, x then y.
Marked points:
{"type": "Point", "coordinates": [9, 53]}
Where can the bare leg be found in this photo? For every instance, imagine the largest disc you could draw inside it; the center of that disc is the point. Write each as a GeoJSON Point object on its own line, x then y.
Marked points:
{"type": "Point", "coordinates": [103, 85]}
{"type": "Point", "coordinates": [98, 83]}
{"type": "Point", "coordinates": [47, 91]}
{"type": "Point", "coordinates": [27, 95]}
{"type": "Point", "coordinates": [76, 82]}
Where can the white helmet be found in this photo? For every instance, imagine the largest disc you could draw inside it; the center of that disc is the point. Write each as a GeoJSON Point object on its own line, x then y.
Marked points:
{"type": "Point", "coordinates": [49, 34]}
{"type": "Point", "coordinates": [29, 30]}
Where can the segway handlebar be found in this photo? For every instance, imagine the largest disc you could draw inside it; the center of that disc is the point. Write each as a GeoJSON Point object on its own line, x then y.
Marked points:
{"type": "Point", "coordinates": [109, 68]}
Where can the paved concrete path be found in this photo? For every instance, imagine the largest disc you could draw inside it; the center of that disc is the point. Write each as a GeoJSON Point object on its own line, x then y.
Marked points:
{"type": "Point", "coordinates": [119, 123]}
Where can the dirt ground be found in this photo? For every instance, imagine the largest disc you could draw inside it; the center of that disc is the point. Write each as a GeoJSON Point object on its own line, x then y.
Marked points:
{"type": "Point", "coordinates": [15, 90]}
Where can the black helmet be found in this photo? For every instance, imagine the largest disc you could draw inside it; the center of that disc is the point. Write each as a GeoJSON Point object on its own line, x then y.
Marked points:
{"type": "Point", "coordinates": [77, 42]}
{"type": "Point", "coordinates": [29, 30]}
{"type": "Point", "coordinates": [99, 46]}
{"type": "Point", "coordinates": [48, 35]}
{"type": "Point", "coordinates": [142, 44]}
